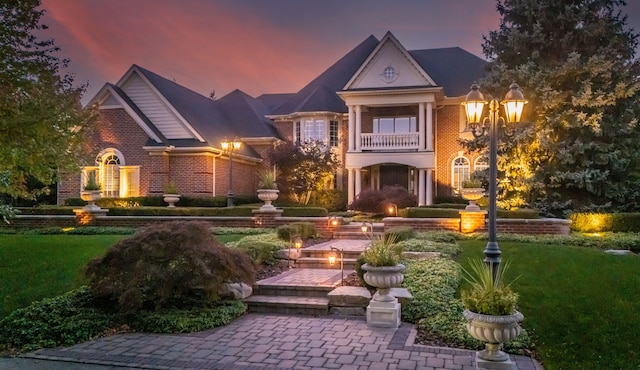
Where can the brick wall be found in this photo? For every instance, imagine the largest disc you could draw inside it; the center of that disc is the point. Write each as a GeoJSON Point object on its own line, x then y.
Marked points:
{"type": "Point", "coordinates": [509, 226]}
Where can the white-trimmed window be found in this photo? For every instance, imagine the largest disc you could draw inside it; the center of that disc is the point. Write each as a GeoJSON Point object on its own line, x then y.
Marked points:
{"type": "Point", "coordinates": [481, 163]}
{"type": "Point", "coordinates": [116, 179]}
{"type": "Point", "coordinates": [315, 129]}
{"type": "Point", "coordinates": [391, 125]}
{"type": "Point", "coordinates": [461, 171]}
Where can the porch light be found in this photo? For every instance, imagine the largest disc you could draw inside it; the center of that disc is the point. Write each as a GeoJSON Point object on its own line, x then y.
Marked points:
{"type": "Point", "coordinates": [513, 103]}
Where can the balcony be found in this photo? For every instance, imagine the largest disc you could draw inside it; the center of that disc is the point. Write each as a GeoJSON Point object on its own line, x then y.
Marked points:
{"type": "Point", "coordinates": [381, 142]}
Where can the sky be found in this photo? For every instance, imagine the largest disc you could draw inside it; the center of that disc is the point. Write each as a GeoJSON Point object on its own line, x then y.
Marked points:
{"type": "Point", "coordinates": [257, 46]}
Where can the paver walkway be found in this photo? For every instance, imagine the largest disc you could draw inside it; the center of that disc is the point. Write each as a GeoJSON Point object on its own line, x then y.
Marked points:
{"type": "Point", "coordinates": [262, 341]}
{"type": "Point", "coordinates": [259, 341]}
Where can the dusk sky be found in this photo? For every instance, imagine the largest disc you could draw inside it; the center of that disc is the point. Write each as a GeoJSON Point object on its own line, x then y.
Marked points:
{"type": "Point", "coordinates": [257, 46]}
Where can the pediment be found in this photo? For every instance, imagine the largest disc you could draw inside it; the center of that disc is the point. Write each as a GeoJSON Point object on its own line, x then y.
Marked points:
{"type": "Point", "coordinates": [389, 66]}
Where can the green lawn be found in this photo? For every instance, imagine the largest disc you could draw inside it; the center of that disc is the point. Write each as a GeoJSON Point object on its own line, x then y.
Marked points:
{"type": "Point", "coordinates": [580, 305]}
{"type": "Point", "coordinates": [33, 267]}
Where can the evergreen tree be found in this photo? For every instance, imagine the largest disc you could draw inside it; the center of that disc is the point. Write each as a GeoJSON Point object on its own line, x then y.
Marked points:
{"type": "Point", "coordinates": [42, 124]}
{"type": "Point", "coordinates": [575, 62]}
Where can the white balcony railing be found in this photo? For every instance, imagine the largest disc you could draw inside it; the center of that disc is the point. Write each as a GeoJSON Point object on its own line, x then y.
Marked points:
{"type": "Point", "coordinates": [389, 141]}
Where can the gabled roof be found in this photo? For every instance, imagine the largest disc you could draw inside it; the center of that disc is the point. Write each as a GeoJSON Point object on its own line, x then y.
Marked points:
{"type": "Point", "coordinates": [455, 69]}
{"type": "Point", "coordinates": [313, 97]}
{"type": "Point", "coordinates": [236, 115]}
{"type": "Point", "coordinates": [272, 101]}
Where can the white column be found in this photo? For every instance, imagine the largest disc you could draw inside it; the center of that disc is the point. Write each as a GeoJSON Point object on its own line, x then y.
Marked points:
{"type": "Point", "coordinates": [350, 186]}
{"type": "Point", "coordinates": [429, 187]}
{"type": "Point", "coordinates": [421, 127]}
{"type": "Point", "coordinates": [352, 128]}
{"type": "Point", "coordinates": [429, 127]}
{"type": "Point", "coordinates": [358, 127]}
{"type": "Point", "coordinates": [421, 192]}
{"type": "Point", "coordinates": [358, 181]}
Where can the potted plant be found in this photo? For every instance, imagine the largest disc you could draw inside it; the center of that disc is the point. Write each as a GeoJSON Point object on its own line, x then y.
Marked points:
{"type": "Point", "coordinates": [490, 308]}
{"type": "Point", "coordinates": [171, 195]}
{"type": "Point", "coordinates": [383, 268]}
{"type": "Point", "coordinates": [472, 190]}
{"type": "Point", "coordinates": [91, 192]}
{"type": "Point", "coordinates": [267, 189]}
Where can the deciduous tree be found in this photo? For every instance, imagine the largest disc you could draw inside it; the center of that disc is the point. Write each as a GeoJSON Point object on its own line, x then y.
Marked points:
{"type": "Point", "coordinates": [304, 168]}
{"type": "Point", "coordinates": [42, 123]}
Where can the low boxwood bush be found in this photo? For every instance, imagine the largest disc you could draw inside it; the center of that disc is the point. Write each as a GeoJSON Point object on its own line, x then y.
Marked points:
{"type": "Point", "coordinates": [304, 230]}
{"type": "Point", "coordinates": [420, 212]}
{"type": "Point", "coordinates": [262, 248]}
{"type": "Point", "coordinates": [399, 233]}
{"type": "Point", "coordinates": [605, 222]}
{"type": "Point", "coordinates": [171, 265]}
{"type": "Point", "coordinates": [81, 230]}
{"type": "Point", "coordinates": [424, 245]}
{"type": "Point", "coordinates": [181, 211]}
{"type": "Point", "coordinates": [518, 213]}
{"type": "Point", "coordinates": [304, 212]}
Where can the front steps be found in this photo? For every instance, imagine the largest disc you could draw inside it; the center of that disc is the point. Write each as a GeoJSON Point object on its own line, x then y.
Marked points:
{"type": "Point", "coordinates": [304, 289]}
{"type": "Point", "coordinates": [354, 231]}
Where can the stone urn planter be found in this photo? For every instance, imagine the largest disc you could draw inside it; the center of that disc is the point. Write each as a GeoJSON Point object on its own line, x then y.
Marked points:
{"type": "Point", "coordinates": [171, 199]}
{"type": "Point", "coordinates": [493, 331]}
{"type": "Point", "coordinates": [472, 195]}
{"type": "Point", "coordinates": [91, 196]}
{"type": "Point", "coordinates": [384, 278]}
{"type": "Point", "coordinates": [268, 196]}
{"type": "Point", "coordinates": [383, 309]}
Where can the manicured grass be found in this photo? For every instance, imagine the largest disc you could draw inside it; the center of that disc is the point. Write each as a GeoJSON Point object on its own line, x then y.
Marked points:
{"type": "Point", "coordinates": [33, 267]}
{"type": "Point", "coordinates": [580, 305]}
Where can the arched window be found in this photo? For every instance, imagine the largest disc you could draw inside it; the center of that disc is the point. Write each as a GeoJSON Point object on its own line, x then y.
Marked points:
{"type": "Point", "coordinates": [460, 171]}
{"type": "Point", "coordinates": [109, 162]}
{"type": "Point", "coordinates": [481, 163]}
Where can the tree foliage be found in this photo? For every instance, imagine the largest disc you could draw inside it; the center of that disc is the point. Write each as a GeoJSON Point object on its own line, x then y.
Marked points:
{"type": "Point", "coordinates": [42, 123]}
{"type": "Point", "coordinates": [575, 62]}
{"type": "Point", "coordinates": [304, 168]}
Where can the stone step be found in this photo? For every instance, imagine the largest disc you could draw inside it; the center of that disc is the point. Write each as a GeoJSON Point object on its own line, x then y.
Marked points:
{"type": "Point", "coordinates": [323, 263]}
{"type": "Point", "coordinates": [291, 290]}
{"type": "Point", "coordinates": [315, 306]}
{"type": "Point", "coordinates": [324, 253]}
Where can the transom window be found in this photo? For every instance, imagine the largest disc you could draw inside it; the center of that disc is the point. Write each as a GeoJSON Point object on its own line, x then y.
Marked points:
{"type": "Point", "coordinates": [390, 125]}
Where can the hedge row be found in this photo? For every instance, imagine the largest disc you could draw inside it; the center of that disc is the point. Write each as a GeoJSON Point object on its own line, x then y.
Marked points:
{"type": "Point", "coordinates": [604, 222]}
{"type": "Point", "coordinates": [428, 212]}
{"type": "Point", "coordinates": [242, 211]}
{"type": "Point", "coordinates": [158, 201]}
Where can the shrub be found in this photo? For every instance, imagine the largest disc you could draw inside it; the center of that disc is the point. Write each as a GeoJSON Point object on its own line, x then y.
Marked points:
{"type": "Point", "coordinates": [304, 230]}
{"type": "Point", "coordinates": [262, 248]}
{"type": "Point", "coordinates": [375, 201]}
{"type": "Point", "coordinates": [419, 212]}
{"type": "Point", "coordinates": [304, 212]}
{"type": "Point", "coordinates": [360, 272]}
{"type": "Point", "coordinates": [171, 265]}
{"type": "Point", "coordinates": [332, 199]}
{"type": "Point", "coordinates": [61, 321]}
{"type": "Point", "coordinates": [604, 222]}
{"type": "Point", "coordinates": [399, 233]}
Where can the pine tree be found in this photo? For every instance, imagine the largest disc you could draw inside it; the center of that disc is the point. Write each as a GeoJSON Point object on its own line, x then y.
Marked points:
{"type": "Point", "coordinates": [42, 124]}
{"type": "Point", "coordinates": [575, 62]}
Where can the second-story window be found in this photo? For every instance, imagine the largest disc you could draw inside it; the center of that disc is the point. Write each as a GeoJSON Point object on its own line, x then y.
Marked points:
{"type": "Point", "coordinates": [333, 133]}
{"type": "Point", "coordinates": [391, 125]}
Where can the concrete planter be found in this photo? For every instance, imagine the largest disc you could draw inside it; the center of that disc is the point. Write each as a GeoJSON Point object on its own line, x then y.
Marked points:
{"type": "Point", "coordinates": [472, 195]}
{"type": "Point", "coordinates": [268, 196]}
{"type": "Point", "coordinates": [493, 331]}
{"type": "Point", "coordinates": [171, 199]}
{"type": "Point", "coordinates": [384, 308]}
{"type": "Point", "coordinates": [91, 196]}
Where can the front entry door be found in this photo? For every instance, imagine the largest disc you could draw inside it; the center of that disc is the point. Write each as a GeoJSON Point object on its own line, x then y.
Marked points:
{"type": "Point", "coordinates": [391, 175]}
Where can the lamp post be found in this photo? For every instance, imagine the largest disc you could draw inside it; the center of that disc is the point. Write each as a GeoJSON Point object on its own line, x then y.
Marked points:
{"type": "Point", "coordinates": [513, 104]}
{"type": "Point", "coordinates": [230, 147]}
